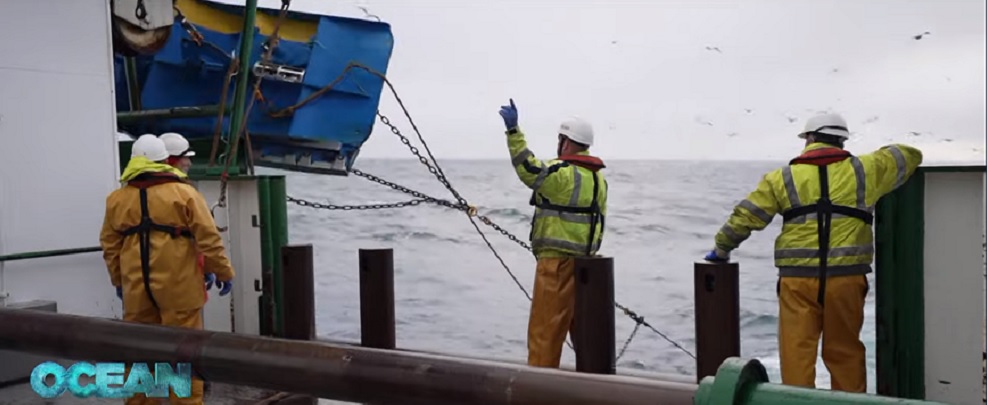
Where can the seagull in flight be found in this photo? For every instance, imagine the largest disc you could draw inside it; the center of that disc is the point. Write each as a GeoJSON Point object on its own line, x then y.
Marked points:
{"type": "Point", "coordinates": [366, 13]}
{"type": "Point", "coordinates": [919, 36]}
{"type": "Point", "coordinates": [713, 48]}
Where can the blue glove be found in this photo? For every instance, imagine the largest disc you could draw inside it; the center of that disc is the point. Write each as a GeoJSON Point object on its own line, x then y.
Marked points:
{"type": "Point", "coordinates": [715, 258]}
{"type": "Point", "coordinates": [509, 114]}
{"type": "Point", "coordinates": [210, 279]}
{"type": "Point", "coordinates": [224, 287]}
{"type": "Point", "coordinates": [120, 292]}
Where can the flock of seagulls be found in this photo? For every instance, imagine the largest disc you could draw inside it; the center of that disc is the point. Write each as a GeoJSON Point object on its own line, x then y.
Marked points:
{"type": "Point", "coordinates": [749, 111]}
{"type": "Point", "coordinates": [792, 120]}
{"type": "Point", "coordinates": [718, 50]}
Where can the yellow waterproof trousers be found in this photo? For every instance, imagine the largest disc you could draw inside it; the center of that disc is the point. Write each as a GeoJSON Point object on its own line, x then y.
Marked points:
{"type": "Point", "coordinates": [191, 319]}
{"type": "Point", "coordinates": [801, 320]}
{"type": "Point", "coordinates": [552, 307]}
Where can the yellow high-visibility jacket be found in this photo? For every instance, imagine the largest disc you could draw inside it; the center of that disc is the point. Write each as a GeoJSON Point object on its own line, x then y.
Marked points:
{"type": "Point", "coordinates": [856, 182]}
{"type": "Point", "coordinates": [570, 199]}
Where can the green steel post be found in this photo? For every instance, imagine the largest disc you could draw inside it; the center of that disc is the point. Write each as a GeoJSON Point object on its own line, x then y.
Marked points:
{"type": "Point", "coordinates": [278, 208]}
{"type": "Point", "coordinates": [241, 95]}
{"type": "Point", "coordinates": [899, 287]}
{"type": "Point", "coordinates": [267, 253]}
{"type": "Point", "coordinates": [734, 376]}
{"type": "Point", "coordinates": [745, 382]}
{"type": "Point", "coordinates": [133, 89]}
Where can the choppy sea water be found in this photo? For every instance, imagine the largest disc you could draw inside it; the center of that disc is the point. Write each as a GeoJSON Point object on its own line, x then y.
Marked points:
{"type": "Point", "coordinates": [452, 295]}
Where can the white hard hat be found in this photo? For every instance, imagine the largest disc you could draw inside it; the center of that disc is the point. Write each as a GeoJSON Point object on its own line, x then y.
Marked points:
{"type": "Point", "coordinates": [829, 124]}
{"type": "Point", "coordinates": [149, 146]}
{"type": "Point", "coordinates": [578, 130]}
{"type": "Point", "coordinates": [176, 144]}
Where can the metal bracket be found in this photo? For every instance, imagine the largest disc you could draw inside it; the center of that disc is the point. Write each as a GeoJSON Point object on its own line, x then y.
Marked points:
{"type": "Point", "coordinates": [283, 73]}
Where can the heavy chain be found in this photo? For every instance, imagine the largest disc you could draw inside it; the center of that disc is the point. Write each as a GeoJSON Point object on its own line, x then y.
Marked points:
{"type": "Point", "coordinates": [413, 193]}
{"type": "Point", "coordinates": [486, 221]}
{"type": "Point", "coordinates": [361, 207]}
{"type": "Point", "coordinates": [433, 166]}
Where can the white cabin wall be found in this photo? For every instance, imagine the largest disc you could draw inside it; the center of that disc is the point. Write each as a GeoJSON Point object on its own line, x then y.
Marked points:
{"type": "Point", "coordinates": [58, 150]}
{"type": "Point", "coordinates": [954, 304]}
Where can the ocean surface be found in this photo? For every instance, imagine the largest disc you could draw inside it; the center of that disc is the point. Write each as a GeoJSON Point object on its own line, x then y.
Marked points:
{"type": "Point", "coordinates": [452, 295]}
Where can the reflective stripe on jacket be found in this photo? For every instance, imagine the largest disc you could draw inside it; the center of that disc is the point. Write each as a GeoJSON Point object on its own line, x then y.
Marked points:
{"type": "Point", "coordinates": [568, 186]}
{"type": "Point", "coordinates": [859, 181]}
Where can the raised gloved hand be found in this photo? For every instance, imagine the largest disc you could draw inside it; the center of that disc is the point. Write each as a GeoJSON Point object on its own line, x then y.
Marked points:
{"type": "Point", "coordinates": [210, 280]}
{"type": "Point", "coordinates": [120, 292]}
{"type": "Point", "coordinates": [224, 287]}
{"type": "Point", "coordinates": [509, 114]}
{"type": "Point", "coordinates": [713, 257]}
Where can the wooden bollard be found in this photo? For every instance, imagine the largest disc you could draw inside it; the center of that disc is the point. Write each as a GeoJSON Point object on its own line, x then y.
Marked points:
{"type": "Point", "coordinates": [594, 337]}
{"type": "Point", "coordinates": [377, 298]}
{"type": "Point", "coordinates": [717, 297]}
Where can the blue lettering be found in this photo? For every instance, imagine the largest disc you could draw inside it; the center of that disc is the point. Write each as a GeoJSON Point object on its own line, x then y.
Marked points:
{"type": "Point", "coordinates": [180, 382]}
{"type": "Point", "coordinates": [140, 381]}
{"type": "Point", "coordinates": [41, 372]}
{"type": "Point", "coordinates": [113, 380]}
{"type": "Point", "coordinates": [75, 387]}
{"type": "Point", "coordinates": [110, 374]}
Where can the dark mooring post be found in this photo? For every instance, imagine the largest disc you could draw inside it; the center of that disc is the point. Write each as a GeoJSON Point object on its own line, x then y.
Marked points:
{"type": "Point", "coordinates": [299, 292]}
{"type": "Point", "coordinates": [299, 306]}
{"type": "Point", "coordinates": [594, 317]}
{"type": "Point", "coordinates": [717, 296]}
{"type": "Point", "coordinates": [377, 298]}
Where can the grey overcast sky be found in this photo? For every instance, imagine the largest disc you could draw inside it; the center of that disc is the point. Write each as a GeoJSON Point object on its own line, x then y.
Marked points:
{"type": "Point", "coordinates": [641, 72]}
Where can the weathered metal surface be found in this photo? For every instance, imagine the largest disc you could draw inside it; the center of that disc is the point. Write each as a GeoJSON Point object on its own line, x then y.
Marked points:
{"type": "Point", "coordinates": [594, 337]}
{"type": "Point", "coordinates": [343, 373]}
{"type": "Point", "coordinates": [299, 286]}
{"type": "Point", "coordinates": [717, 298]}
{"type": "Point", "coordinates": [299, 305]}
{"type": "Point", "coordinates": [377, 298]}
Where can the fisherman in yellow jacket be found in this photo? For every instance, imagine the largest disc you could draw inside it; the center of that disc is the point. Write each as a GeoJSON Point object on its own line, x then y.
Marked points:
{"type": "Point", "coordinates": [570, 198]}
{"type": "Point", "coordinates": [826, 197]}
{"type": "Point", "coordinates": [153, 228]}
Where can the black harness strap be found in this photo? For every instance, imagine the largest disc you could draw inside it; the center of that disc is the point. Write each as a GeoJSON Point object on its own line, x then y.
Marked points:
{"type": "Point", "coordinates": [595, 216]}
{"type": "Point", "coordinates": [824, 210]}
{"type": "Point", "coordinates": [143, 231]}
{"type": "Point", "coordinates": [824, 218]}
{"type": "Point", "coordinates": [145, 246]}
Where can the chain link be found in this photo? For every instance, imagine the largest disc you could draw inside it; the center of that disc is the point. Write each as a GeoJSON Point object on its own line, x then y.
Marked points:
{"type": "Point", "coordinates": [627, 342]}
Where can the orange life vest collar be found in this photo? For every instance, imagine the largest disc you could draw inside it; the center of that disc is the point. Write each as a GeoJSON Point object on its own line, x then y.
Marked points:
{"type": "Point", "coordinates": [821, 157]}
{"type": "Point", "coordinates": [585, 161]}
